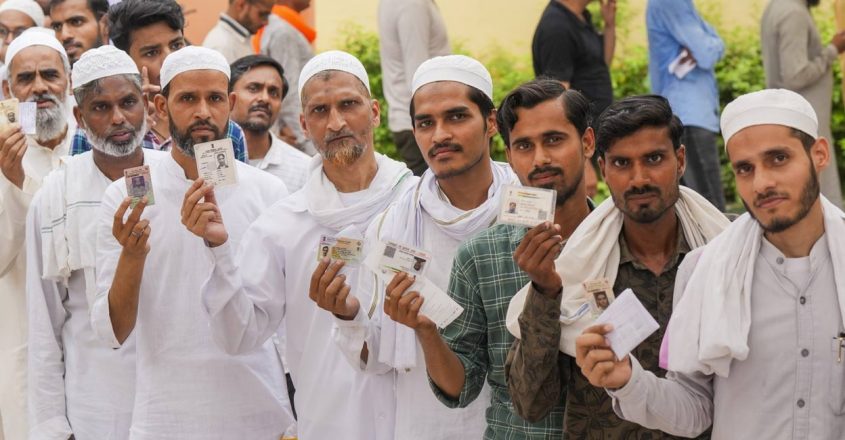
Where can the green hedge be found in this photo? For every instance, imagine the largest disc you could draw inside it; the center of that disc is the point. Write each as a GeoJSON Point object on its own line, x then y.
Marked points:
{"type": "Point", "coordinates": [739, 72]}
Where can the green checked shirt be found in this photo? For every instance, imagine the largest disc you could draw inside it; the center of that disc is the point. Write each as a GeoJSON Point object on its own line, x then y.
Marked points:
{"type": "Point", "coordinates": [484, 279]}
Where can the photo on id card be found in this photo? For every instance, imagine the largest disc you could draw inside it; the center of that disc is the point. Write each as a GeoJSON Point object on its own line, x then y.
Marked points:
{"type": "Point", "coordinates": [526, 206]}
{"type": "Point", "coordinates": [345, 249]}
{"type": "Point", "coordinates": [599, 294]}
{"type": "Point", "coordinates": [8, 113]}
{"type": "Point", "coordinates": [400, 258]}
{"type": "Point", "coordinates": [216, 162]}
{"type": "Point", "coordinates": [139, 184]}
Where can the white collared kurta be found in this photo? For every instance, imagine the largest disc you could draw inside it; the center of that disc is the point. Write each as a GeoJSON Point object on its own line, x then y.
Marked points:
{"type": "Point", "coordinates": [285, 162]}
{"type": "Point", "coordinates": [14, 203]}
{"type": "Point", "coordinates": [77, 384]}
{"type": "Point", "coordinates": [791, 386]}
{"type": "Point", "coordinates": [187, 387]}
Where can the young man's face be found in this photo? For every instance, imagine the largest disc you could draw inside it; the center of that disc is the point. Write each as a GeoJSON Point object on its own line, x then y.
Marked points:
{"type": "Point", "coordinates": [546, 150]}
{"type": "Point", "coordinates": [150, 45]}
{"type": "Point", "coordinates": [197, 107]}
{"type": "Point", "coordinates": [339, 116]}
{"type": "Point", "coordinates": [257, 99]}
{"type": "Point", "coordinates": [776, 177]}
{"type": "Point", "coordinates": [643, 172]}
{"type": "Point", "coordinates": [255, 14]}
{"type": "Point", "coordinates": [450, 130]}
{"type": "Point", "coordinates": [12, 25]}
{"type": "Point", "coordinates": [77, 27]}
{"type": "Point", "coordinates": [114, 116]}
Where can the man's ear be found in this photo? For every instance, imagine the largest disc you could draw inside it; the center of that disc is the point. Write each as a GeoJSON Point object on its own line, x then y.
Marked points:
{"type": "Point", "coordinates": [78, 116]}
{"type": "Point", "coordinates": [160, 103]}
{"type": "Point", "coordinates": [602, 165]}
{"type": "Point", "coordinates": [7, 91]}
{"type": "Point", "coordinates": [376, 113]}
{"type": "Point", "coordinates": [233, 98]}
{"type": "Point", "coordinates": [820, 154]}
{"type": "Point", "coordinates": [681, 154]}
{"type": "Point", "coordinates": [589, 142]}
{"type": "Point", "coordinates": [103, 25]}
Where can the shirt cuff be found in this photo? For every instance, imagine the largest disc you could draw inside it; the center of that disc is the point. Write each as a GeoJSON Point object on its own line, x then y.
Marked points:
{"type": "Point", "coordinates": [350, 336]}
{"type": "Point", "coordinates": [101, 321]}
{"type": "Point", "coordinates": [634, 387]}
{"type": "Point", "coordinates": [539, 309]}
{"type": "Point", "coordinates": [223, 272]}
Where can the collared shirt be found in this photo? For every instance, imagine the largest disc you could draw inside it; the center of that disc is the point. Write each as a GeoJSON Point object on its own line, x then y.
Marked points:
{"type": "Point", "coordinates": [14, 203]}
{"type": "Point", "coordinates": [674, 25]}
{"type": "Point", "coordinates": [484, 278]}
{"type": "Point", "coordinates": [78, 385]}
{"type": "Point", "coordinates": [81, 144]}
{"type": "Point", "coordinates": [285, 162]}
{"type": "Point", "coordinates": [410, 31]}
{"type": "Point", "coordinates": [188, 387]}
{"type": "Point", "coordinates": [791, 386]}
{"type": "Point", "coordinates": [229, 38]}
{"type": "Point", "coordinates": [569, 49]}
{"type": "Point", "coordinates": [539, 373]}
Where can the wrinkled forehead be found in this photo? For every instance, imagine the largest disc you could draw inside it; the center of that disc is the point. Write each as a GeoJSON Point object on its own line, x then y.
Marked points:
{"type": "Point", "coordinates": [332, 83]}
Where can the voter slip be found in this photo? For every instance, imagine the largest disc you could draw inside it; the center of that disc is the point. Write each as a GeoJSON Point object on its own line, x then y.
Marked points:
{"type": "Point", "coordinates": [526, 206]}
{"type": "Point", "coordinates": [216, 162]}
{"type": "Point", "coordinates": [631, 322]}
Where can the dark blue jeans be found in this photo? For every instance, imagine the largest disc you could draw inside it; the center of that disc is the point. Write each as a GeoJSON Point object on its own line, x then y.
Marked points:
{"type": "Point", "coordinates": [703, 173]}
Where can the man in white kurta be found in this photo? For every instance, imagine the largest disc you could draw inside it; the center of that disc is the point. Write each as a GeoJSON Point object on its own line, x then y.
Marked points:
{"type": "Point", "coordinates": [755, 346]}
{"type": "Point", "coordinates": [187, 387]}
{"type": "Point", "coordinates": [273, 276]}
{"type": "Point", "coordinates": [457, 197]}
{"type": "Point", "coordinates": [38, 71]}
{"type": "Point", "coordinates": [78, 385]}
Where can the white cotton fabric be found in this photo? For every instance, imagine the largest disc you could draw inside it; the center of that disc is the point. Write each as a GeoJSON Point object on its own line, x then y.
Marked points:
{"type": "Point", "coordinates": [333, 60]}
{"type": "Point", "coordinates": [709, 326]}
{"type": "Point", "coordinates": [770, 106]}
{"type": "Point", "coordinates": [102, 62]}
{"type": "Point", "coordinates": [593, 252]}
{"type": "Point", "coordinates": [28, 7]}
{"type": "Point", "coordinates": [74, 379]}
{"type": "Point", "coordinates": [325, 205]}
{"type": "Point", "coordinates": [403, 222]}
{"type": "Point", "coordinates": [190, 58]}
{"type": "Point", "coordinates": [457, 68]}
{"type": "Point", "coordinates": [285, 162]}
{"type": "Point", "coordinates": [187, 387]}
{"type": "Point", "coordinates": [35, 36]}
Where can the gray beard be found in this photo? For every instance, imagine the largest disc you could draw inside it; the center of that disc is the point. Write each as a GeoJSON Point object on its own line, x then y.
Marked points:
{"type": "Point", "coordinates": [117, 149]}
{"type": "Point", "coordinates": [50, 123]}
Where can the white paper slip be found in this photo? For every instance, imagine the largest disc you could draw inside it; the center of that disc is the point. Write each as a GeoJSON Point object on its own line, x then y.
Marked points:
{"type": "Point", "coordinates": [526, 206]}
{"type": "Point", "coordinates": [216, 162]}
{"type": "Point", "coordinates": [26, 112]}
{"type": "Point", "coordinates": [437, 306]}
{"type": "Point", "coordinates": [681, 69]}
{"type": "Point", "coordinates": [632, 323]}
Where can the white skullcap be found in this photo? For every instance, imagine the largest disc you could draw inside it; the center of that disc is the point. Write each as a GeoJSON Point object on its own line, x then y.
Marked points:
{"type": "Point", "coordinates": [191, 58]}
{"type": "Point", "coordinates": [333, 60]}
{"type": "Point", "coordinates": [28, 7]}
{"type": "Point", "coordinates": [99, 63]}
{"type": "Point", "coordinates": [770, 106]}
{"type": "Point", "coordinates": [35, 36]}
{"type": "Point", "coordinates": [457, 68]}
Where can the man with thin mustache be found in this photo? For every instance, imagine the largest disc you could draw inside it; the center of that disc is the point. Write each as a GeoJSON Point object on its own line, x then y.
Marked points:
{"type": "Point", "coordinates": [634, 240]}
{"type": "Point", "coordinates": [80, 25]}
{"type": "Point", "coordinates": [38, 72]}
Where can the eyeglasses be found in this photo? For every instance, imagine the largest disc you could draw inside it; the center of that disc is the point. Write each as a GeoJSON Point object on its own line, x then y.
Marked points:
{"type": "Point", "coordinates": [4, 33]}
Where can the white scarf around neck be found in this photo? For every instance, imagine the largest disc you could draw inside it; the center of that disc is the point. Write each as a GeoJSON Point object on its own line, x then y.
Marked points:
{"type": "Point", "coordinates": [398, 342]}
{"type": "Point", "coordinates": [593, 252]}
{"type": "Point", "coordinates": [710, 324]}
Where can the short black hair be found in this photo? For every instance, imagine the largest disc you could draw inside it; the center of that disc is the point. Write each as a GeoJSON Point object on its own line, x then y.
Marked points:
{"type": "Point", "coordinates": [480, 99]}
{"type": "Point", "coordinates": [97, 7]}
{"type": "Point", "coordinates": [806, 140]}
{"type": "Point", "coordinates": [576, 106]}
{"type": "Point", "coordinates": [245, 64]}
{"type": "Point", "coordinates": [627, 116]}
{"type": "Point", "coordinates": [130, 15]}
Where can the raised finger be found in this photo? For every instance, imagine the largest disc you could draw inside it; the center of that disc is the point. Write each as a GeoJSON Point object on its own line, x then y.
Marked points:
{"type": "Point", "coordinates": [543, 251]}
{"type": "Point", "coordinates": [316, 275]}
{"type": "Point", "coordinates": [397, 278]}
{"type": "Point", "coordinates": [520, 249]}
{"type": "Point", "coordinates": [194, 193]}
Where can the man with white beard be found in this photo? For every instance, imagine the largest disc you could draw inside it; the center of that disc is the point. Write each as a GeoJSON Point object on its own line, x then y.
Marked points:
{"type": "Point", "coordinates": [150, 270]}
{"type": "Point", "coordinates": [248, 295]}
{"type": "Point", "coordinates": [458, 196]}
{"type": "Point", "coordinates": [38, 72]}
{"type": "Point", "coordinates": [78, 386]}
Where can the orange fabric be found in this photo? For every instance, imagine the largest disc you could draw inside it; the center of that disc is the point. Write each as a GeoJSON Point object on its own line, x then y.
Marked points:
{"type": "Point", "coordinates": [294, 19]}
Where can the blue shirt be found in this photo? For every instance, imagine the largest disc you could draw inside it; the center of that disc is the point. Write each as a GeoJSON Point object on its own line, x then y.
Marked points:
{"type": "Point", "coordinates": [672, 26]}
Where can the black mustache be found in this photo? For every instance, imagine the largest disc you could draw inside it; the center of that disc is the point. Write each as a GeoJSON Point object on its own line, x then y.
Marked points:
{"type": "Point", "coordinates": [638, 191]}
{"type": "Point", "coordinates": [770, 194]}
{"type": "Point", "coordinates": [543, 170]}
{"type": "Point", "coordinates": [448, 146]}
{"type": "Point", "coordinates": [264, 107]}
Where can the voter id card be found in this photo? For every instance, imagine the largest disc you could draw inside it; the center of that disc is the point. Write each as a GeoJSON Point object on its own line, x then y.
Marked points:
{"type": "Point", "coordinates": [139, 184]}
{"type": "Point", "coordinates": [526, 206]}
{"type": "Point", "coordinates": [599, 295]}
{"type": "Point", "coordinates": [216, 162]}
{"type": "Point", "coordinates": [347, 250]}
{"type": "Point", "coordinates": [395, 257]}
